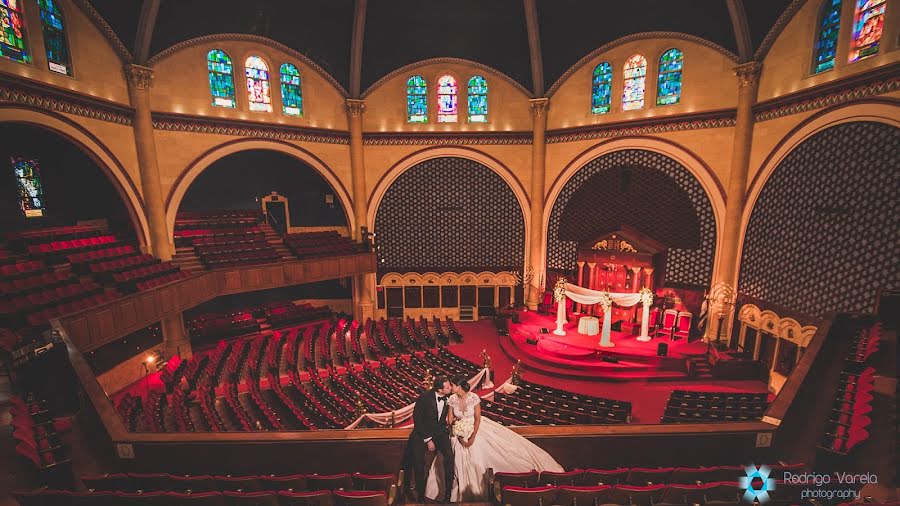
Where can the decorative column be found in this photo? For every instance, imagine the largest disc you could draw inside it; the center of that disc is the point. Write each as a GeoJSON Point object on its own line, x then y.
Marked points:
{"type": "Point", "coordinates": [175, 340]}
{"type": "Point", "coordinates": [363, 284]}
{"type": "Point", "coordinates": [748, 85]}
{"type": "Point", "coordinates": [539, 107]}
{"type": "Point", "coordinates": [139, 81]}
{"type": "Point", "coordinates": [576, 307]}
{"type": "Point", "coordinates": [648, 281]}
{"type": "Point", "coordinates": [606, 305]}
{"type": "Point", "coordinates": [635, 286]}
{"type": "Point", "coordinates": [591, 267]}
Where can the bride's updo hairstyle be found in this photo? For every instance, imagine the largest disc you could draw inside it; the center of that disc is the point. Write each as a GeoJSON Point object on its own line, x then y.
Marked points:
{"type": "Point", "coordinates": [462, 381]}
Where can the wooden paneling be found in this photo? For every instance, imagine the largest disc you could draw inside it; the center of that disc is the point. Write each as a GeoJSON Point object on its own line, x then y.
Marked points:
{"type": "Point", "coordinates": [101, 324]}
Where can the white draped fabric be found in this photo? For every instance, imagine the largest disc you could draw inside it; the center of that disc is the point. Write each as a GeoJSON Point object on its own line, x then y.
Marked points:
{"type": "Point", "coordinates": [584, 295]}
{"type": "Point", "coordinates": [405, 413]}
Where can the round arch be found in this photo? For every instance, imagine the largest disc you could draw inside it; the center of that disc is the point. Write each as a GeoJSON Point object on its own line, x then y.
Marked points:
{"type": "Point", "coordinates": [201, 163]}
{"type": "Point", "coordinates": [697, 167]}
{"type": "Point", "coordinates": [459, 152]}
{"type": "Point", "coordinates": [879, 111]}
{"type": "Point", "coordinates": [102, 156]}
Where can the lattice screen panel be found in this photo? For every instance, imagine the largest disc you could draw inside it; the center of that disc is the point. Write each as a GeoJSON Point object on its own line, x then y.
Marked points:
{"type": "Point", "coordinates": [651, 204]}
{"type": "Point", "coordinates": [449, 215]}
{"type": "Point", "coordinates": [824, 234]}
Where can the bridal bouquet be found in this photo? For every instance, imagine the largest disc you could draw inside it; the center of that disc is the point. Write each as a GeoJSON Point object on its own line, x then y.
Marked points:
{"type": "Point", "coordinates": [464, 427]}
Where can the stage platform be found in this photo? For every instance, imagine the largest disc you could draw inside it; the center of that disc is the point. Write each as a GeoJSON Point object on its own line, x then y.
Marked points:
{"type": "Point", "coordinates": [579, 356]}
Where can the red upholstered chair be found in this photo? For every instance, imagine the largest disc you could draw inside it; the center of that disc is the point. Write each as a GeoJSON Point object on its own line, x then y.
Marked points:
{"type": "Point", "coordinates": [605, 476]}
{"type": "Point", "coordinates": [143, 498]}
{"type": "Point", "coordinates": [341, 481]}
{"type": "Point", "coordinates": [573, 496]}
{"type": "Point", "coordinates": [556, 479]}
{"type": "Point", "coordinates": [546, 305]}
{"type": "Point", "coordinates": [151, 482]}
{"type": "Point", "coordinates": [503, 480]}
{"type": "Point", "coordinates": [682, 325]}
{"type": "Point", "coordinates": [294, 483]}
{"type": "Point", "coordinates": [685, 494]}
{"type": "Point", "coordinates": [193, 484]}
{"type": "Point", "coordinates": [642, 477]}
{"type": "Point", "coordinates": [250, 498]}
{"type": "Point", "coordinates": [723, 493]}
{"type": "Point", "coordinates": [521, 496]}
{"type": "Point", "coordinates": [204, 499]}
{"type": "Point", "coordinates": [238, 483]}
{"type": "Point", "coordinates": [638, 496]}
{"type": "Point", "coordinates": [360, 498]}
{"type": "Point", "coordinates": [693, 476]}
{"type": "Point", "coordinates": [317, 498]}
{"type": "Point", "coordinates": [387, 483]}
{"type": "Point", "coordinates": [668, 324]}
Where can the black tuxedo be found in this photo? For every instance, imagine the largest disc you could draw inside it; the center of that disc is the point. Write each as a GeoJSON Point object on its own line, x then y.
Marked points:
{"type": "Point", "coordinates": [429, 425]}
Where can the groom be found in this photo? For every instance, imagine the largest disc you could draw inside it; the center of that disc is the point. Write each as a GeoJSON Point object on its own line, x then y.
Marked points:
{"type": "Point", "coordinates": [430, 433]}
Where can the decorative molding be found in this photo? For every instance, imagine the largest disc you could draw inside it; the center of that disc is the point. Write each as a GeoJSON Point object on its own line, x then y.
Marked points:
{"type": "Point", "coordinates": [539, 107]}
{"type": "Point", "coordinates": [244, 37]}
{"type": "Point", "coordinates": [716, 119]}
{"type": "Point", "coordinates": [879, 82]}
{"type": "Point", "coordinates": [355, 108]}
{"type": "Point", "coordinates": [138, 76]}
{"type": "Point", "coordinates": [44, 96]}
{"type": "Point", "coordinates": [635, 37]}
{"type": "Point", "coordinates": [236, 128]}
{"type": "Point", "coordinates": [748, 73]}
{"type": "Point", "coordinates": [447, 60]}
{"type": "Point", "coordinates": [484, 278]}
{"type": "Point", "coordinates": [88, 10]}
{"type": "Point", "coordinates": [777, 28]}
{"type": "Point", "coordinates": [446, 138]}
{"type": "Point", "coordinates": [782, 328]}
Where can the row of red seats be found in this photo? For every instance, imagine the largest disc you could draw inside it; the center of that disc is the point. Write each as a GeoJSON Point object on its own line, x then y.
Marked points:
{"type": "Point", "coordinates": [162, 280]}
{"type": "Point", "coordinates": [318, 498]}
{"type": "Point", "coordinates": [22, 269]}
{"type": "Point", "coordinates": [140, 273]}
{"type": "Point", "coordinates": [37, 434]}
{"type": "Point", "coordinates": [232, 247]}
{"type": "Point", "coordinates": [55, 246]}
{"type": "Point", "coordinates": [15, 286]}
{"type": "Point", "coordinates": [234, 259]}
{"type": "Point", "coordinates": [100, 254]}
{"type": "Point", "coordinates": [58, 232]}
{"type": "Point", "coordinates": [195, 233]}
{"type": "Point", "coordinates": [211, 241]}
{"type": "Point", "coordinates": [121, 264]}
{"type": "Point", "coordinates": [42, 317]}
{"type": "Point", "coordinates": [49, 296]}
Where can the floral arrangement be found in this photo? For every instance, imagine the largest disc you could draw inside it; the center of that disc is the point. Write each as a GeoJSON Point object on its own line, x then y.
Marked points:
{"type": "Point", "coordinates": [559, 290]}
{"type": "Point", "coordinates": [605, 301]}
{"type": "Point", "coordinates": [464, 427]}
{"type": "Point", "coordinates": [646, 296]}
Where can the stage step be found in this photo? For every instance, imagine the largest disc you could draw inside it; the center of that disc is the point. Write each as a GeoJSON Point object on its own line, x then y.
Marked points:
{"type": "Point", "coordinates": [466, 313]}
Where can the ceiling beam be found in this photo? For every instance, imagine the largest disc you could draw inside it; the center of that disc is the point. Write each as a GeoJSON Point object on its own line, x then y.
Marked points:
{"type": "Point", "coordinates": [145, 27]}
{"type": "Point", "coordinates": [534, 47]}
{"type": "Point", "coordinates": [741, 29]}
{"type": "Point", "coordinates": [356, 46]}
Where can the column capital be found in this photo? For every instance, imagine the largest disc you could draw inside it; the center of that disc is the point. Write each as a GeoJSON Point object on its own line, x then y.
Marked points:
{"type": "Point", "coordinates": [539, 106]}
{"type": "Point", "coordinates": [635, 269]}
{"type": "Point", "coordinates": [748, 73]}
{"type": "Point", "coordinates": [355, 107]}
{"type": "Point", "coordinates": [580, 263]}
{"type": "Point", "coordinates": [591, 265]}
{"type": "Point", "coordinates": [138, 76]}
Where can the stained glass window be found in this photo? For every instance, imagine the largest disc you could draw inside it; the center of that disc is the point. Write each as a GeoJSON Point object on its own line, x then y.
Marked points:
{"type": "Point", "coordinates": [668, 90]}
{"type": "Point", "coordinates": [826, 43]}
{"type": "Point", "coordinates": [55, 37]}
{"type": "Point", "coordinates": [291, 97]}
{"type": "Point", "coordinates": [221, 78]}
{"type": "Point", "coordinates": [416, 100]}
{"type": "Point", "coordinates": [12, 31]}
{"type": "Point", "coordinates": [600, 88]}
{"type": "Point", "coordinates": [28, 183]}
{"type": "Point", "coordinates": [257, 73]}
{"type": "Point", "coordinates": [477, 104]}
{"type": "Point", "coordinates": [868, 24]}
{"type": "Point", "coordinates": [447, 99]}
{"type": "Point", "coordinates": [635, 76]}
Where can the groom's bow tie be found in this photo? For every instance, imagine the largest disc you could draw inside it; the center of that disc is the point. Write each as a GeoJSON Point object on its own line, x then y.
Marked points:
{"type": "Point", "coordinates": [443, 398]}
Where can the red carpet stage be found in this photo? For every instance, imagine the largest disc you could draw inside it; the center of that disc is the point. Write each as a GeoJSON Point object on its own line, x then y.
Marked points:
{"type": "Point", "coordinates": [577, 355]}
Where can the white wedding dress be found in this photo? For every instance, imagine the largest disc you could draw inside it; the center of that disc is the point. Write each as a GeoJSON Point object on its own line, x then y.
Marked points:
{"type": "Point", "coordinates": [495, 447]}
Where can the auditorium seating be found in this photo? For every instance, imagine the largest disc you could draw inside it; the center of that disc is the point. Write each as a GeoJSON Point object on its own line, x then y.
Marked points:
{"type": "Point", "coordinates": [320, 244]}
{"type": "Point", "coordinates": [225, 239]}
{"type": "Point", "coordinates": [687, 407]}
{"type": "Point", "coordinates": [36, 435]}
{"type": "Point", "coordinates": [222, 326]}
{"type": "Point", "coordinates": [534, 404]}
{"type": "Point", "coordinates": [852, 409]}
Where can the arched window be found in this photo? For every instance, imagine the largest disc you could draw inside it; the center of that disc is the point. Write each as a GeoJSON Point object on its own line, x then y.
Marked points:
{"type": "Point", "coordinates": [221, 78]}
{"type": "Point", "coordinates": [12, 31]}
{"type": "Point", "coordinates": [54, 37]}
{"type": "Point", "coordinates": [477, 103]}
{"type": "Point", "coordinates": [257, 73]}
{"type": "Point", "coordinates": [291, 96]}
{"type": "Point", "coordinates": [826, 42]}
{"type": "Point", "coordinates": [447, 99]}
{"type": "Point", "coordinates": [868, 24]}
{"type": "Point", "coordinates": [668, 90]}
{"type": "Point", "coordinates": [600, 88]}
{"type": "Point", "coordinates": [635, 76]}
{"type": "Point", "coordinates": [416, 100]}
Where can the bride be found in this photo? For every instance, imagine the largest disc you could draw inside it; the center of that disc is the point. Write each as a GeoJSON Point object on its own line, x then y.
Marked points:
{"type": "Point", "coordinates": [480, 443]}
